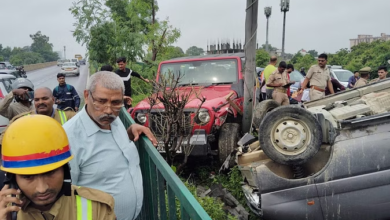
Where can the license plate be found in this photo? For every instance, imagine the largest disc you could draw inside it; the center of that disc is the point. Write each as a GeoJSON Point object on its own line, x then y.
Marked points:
{"type": "Point", "coordinates": [68, 69]}
{"type": "Point", "coordinates": [161, 147]}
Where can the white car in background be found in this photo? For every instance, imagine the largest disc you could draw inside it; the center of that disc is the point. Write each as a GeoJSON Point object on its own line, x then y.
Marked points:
{"type": "Point", "coordinates": [70, 68]}
{"type": "Point", "coordinates": [6, 81]}
{"type": "Point", "coordinates": [340, 74]}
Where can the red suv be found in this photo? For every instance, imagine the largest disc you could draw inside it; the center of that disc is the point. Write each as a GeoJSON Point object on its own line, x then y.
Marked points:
{"type": "Point", "coordinates": [219, 79]}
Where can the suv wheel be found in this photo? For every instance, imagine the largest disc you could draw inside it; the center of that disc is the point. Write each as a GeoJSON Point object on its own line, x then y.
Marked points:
{"type": "Point", "coordinates": [290, 135]}
{"type": "Point", "coordinates": [262, 109]}
{"type": "Point", "coordinates": [227, 141]}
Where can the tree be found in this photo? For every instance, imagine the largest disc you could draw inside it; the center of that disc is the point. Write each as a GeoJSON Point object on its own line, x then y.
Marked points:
{"type": "Point", "coordinates": [42, 46]}
{"type": "Point", "coordinates": [194, 51]}
{"type": "Point", "coordinates": [171, 52]}
{"type": "Point", "coordinates": [262, 58]}
{"type": "Point", "coordinates": [26, 58]}
{"type": "Point", "coordinates": [137, 31]}
{"type": "Point", "coordinates": [296, 57]}
{"type": "Point", "coordinates": [271, 48]}
{"type": "Point", "coordinates": [173, 124]}
{"type": "Point", "coordinates": [102, 46]}
{"type": "Point", "coordinates": [6, 53]}
{"type": "Point", "coordinates": [314, 53]}
{"type": "Point", "coordinates": [306, 61]}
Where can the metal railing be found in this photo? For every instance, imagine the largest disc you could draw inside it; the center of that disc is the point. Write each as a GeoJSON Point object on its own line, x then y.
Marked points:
{"type": "Point", "coordinates": [165, 195]}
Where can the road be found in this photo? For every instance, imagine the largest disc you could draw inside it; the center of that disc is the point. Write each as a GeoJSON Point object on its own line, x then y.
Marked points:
{"type": "Point", "coordinates": [47, 77]}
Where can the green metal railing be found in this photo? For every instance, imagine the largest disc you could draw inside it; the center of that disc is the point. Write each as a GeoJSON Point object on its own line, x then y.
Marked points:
{"type": "Point", "coordinates": [162, 187]}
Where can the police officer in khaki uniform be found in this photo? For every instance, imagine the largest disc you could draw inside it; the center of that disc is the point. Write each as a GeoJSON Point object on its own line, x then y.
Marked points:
{"type": "Point", "coordinates": [278, 79]}
{"type": "Point", "coordinates": [364, 75]}
{"type": "Point", "coordinates": [319, 77]}
{"type": "Point", "coordinates": [382, 73]}
{"type": "Point", "coordinates": [44, 101]}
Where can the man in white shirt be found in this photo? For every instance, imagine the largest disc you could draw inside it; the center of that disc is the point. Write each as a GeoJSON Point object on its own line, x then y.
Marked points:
{"type": "Point", "coordinates": [104, 157]}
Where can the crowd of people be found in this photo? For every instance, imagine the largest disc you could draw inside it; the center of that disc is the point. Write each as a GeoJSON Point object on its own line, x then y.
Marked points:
{"type": "Point", "coordinates": [70, 163]}
{"type": "Point", "coordinates": [274, 82]}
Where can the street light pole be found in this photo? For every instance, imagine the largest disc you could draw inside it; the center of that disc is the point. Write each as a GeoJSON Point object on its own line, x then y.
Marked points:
{"type": "Point", "coordinates": [285, 7]}
{"type": "Point", "coordinates": [267, 12]}
{"type": "Point", "coordinates": [64, 52]}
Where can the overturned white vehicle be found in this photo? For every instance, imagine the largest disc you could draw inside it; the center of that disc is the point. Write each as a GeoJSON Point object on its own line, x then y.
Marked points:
{"type": "Point", "coordinates": [327, 160]}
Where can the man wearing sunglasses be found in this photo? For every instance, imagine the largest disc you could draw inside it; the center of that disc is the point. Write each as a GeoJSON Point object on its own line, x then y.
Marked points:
{"type": "Point", "coordinates": [319, 78]}
{"type": "Point", "coordinates": [104, 157]}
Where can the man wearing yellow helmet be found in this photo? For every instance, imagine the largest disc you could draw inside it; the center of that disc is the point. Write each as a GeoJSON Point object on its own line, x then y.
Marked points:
{"type": "Point", "coordinates": [38, 174]}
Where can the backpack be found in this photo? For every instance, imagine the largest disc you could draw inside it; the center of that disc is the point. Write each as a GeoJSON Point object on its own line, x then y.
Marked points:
{"type": "Point", "coordinates": [68, 87]}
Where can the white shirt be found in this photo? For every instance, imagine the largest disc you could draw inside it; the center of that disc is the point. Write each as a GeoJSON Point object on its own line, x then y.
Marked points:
{"type": "Point", "coordinates": [106, 160]}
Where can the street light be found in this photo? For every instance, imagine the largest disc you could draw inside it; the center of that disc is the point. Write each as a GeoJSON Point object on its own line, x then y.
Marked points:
{"type": "Point", "coordinates": [285, 7]}
{"type": "Point", "coordinates": [267, 12]}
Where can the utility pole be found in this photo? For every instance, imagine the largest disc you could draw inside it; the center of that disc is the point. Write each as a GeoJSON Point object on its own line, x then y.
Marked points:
{"type": "Point", "coordinates": [250, 62]}
{"type": "Point", "coordinates": [267, 12]}
{"type": "Point", "coordinates": [285, 7]}
{"type": "Point", "coordinates": [64, 52]}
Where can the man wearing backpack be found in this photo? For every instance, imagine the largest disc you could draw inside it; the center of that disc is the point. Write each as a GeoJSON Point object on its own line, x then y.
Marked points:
{"type": "Point", "coordinates": [65, 95]}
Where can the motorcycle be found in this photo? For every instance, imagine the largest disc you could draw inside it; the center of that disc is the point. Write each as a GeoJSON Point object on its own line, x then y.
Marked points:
{"type": "Point", "coordinates": [22, 72]}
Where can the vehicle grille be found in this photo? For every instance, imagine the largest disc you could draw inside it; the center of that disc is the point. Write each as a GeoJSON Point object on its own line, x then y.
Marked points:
{"type": "Point", "coordinates": [158, 124]}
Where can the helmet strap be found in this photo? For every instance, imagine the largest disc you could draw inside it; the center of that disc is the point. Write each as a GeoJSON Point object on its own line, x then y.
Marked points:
{"type": "Point", "coordinates": [67, 185]}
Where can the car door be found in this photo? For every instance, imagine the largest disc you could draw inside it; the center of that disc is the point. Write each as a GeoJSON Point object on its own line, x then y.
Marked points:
{"type": "Point", "coordinates": [355, 184]}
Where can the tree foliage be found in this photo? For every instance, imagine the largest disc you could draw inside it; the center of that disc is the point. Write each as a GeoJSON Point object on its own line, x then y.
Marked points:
{"type": "Point", "coordinates": [194, 51]}
{"type": "Point", "coordinates": [314, 53]}
{"type": "Point", "coordinates": [40, 51]}
{"type": "Point", "coordinates": [131, 29]}
{"type": "Point", "coordinates": [262, 58]}
{"type": "Point", "coordinates": [42, 46]}
{"type": "Point", "coordinates": [373, 55]}
{"type": "Point", "coordinates": [271, 48]}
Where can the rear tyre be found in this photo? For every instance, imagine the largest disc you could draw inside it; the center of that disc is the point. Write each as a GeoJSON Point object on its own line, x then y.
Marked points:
{"type": "Point", "coordinates": [227, 141]}
{"type": "Point", "coordinates": [262, 109]}
{"type": "Point", "coordinates": [290, 135]}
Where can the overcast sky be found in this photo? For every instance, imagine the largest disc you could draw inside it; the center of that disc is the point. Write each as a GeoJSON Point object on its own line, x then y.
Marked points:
{"type": "Point", "coordinates": [325, 26]}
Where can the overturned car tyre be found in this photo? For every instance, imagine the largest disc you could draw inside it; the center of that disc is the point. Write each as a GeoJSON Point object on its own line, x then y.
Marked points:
{"type": "Point", "coordinates": [227, 141]}
{"type": "Point", "coordinates": [290, 135]}
{"type": "Point", "coordinates": [262, 109]}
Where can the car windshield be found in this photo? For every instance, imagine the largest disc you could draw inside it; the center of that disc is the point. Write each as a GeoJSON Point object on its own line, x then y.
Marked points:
{"type": "Point", "coordinates": [343, 75]}
{"type": "Point", "coordinates": [2, 66]}
{"type": "Point", "coordinates": [296, 76]}
{"type": "Point", "coordinates": [202, 72]}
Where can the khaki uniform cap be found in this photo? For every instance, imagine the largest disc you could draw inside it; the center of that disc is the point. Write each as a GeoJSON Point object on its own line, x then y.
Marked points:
{"type": "Point", "coordinates": [365, 69]}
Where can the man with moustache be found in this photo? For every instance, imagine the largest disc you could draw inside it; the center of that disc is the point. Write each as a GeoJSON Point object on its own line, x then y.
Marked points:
{"type": "Point", "coordinates": [105, 158]}
{"type": "Point", "coordinates": [44, 101]}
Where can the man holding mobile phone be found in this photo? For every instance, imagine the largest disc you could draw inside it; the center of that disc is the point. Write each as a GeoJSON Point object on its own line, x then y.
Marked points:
{"type": "Point", "coordinates": [36, 166]}
{"type": "Point", "coordinates": [23, 93]}
{"type": "Point", "coordinates": [280, 82]}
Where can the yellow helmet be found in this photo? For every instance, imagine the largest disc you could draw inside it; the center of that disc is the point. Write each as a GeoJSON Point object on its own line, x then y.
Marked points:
{"type": "Point", "coordinates": [34, 144]}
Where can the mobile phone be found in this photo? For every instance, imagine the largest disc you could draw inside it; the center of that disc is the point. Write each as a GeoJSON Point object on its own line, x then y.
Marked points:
{"type": "Point", "coordinates": [12, 185]}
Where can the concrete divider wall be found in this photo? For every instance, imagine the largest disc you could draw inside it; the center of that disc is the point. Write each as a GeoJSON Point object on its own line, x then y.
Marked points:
{"type": "Point", "coordinates": [37, 66]}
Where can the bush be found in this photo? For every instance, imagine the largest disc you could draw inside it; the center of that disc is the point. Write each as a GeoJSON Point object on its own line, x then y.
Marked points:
{"type": "Point", "coordinates": [213, 206]}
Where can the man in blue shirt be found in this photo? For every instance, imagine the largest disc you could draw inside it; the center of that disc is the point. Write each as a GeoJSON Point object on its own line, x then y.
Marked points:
{"type": "Point", "coordinates": [104, 157]}
{"type": "Point", "coordinates": [65, 95]}
{"type": "Point", "coordinates": [352, 80]}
